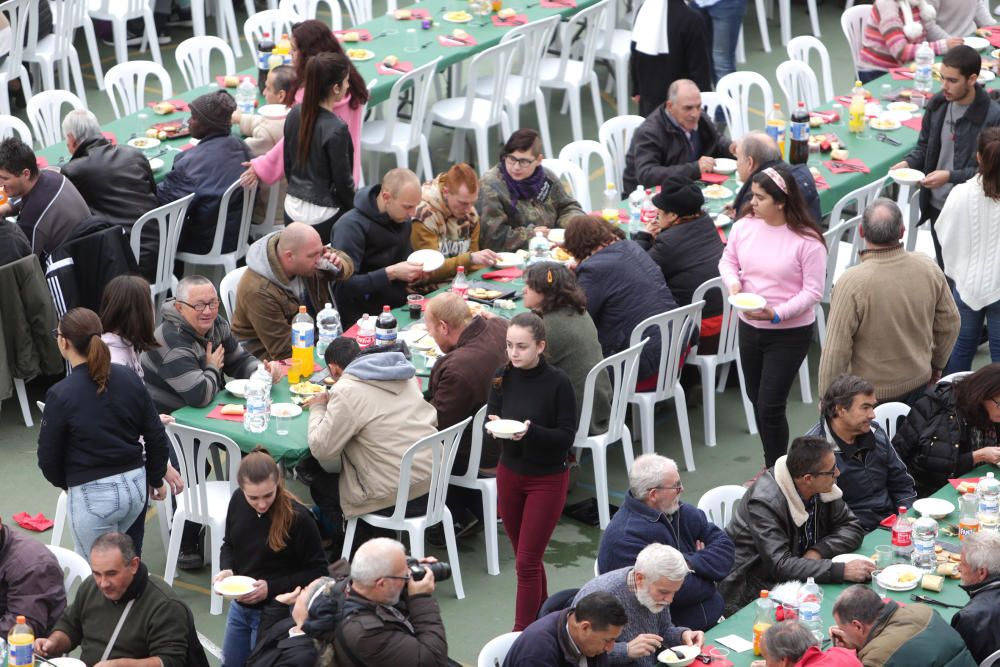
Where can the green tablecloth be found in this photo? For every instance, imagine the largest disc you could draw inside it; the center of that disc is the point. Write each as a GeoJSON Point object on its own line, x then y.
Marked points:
{"type": "Point", "coordinates": [741, 623]}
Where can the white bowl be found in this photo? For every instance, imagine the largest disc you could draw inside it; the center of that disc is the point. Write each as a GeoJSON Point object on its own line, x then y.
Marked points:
{"type": "Point", "coordinates": [237, 388]}
{"type": "Point", "coordinates": [977, 43]}
{"type": "Point", "coordinates": [670, 658]}
{"type": "Point", "coordinates": [724, 165]}
{"type": "Point", "coordinates": [747, 301]}
{"type": "Point", "coordinates": [234, 587]}
{"type": "Point", "coordinates": [557, 235]}
{"type": "Point", "coordinates": [273, 111]}
{"type": "Point", "coordinates": [985, 76]}
{"type": "Point", "coordinates": [430, 259]}
{"type": "Point", "coordinates": [505, 428]}
{"type": "Point", "coordinates": [936, 508]}
{"type": "Point", "coordinates": [285, 410]}
{"type": "Point", "coordinates": [906, 176]}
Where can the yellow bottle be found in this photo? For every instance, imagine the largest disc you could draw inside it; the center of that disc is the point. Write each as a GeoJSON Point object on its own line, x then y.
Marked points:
{"type": "Point", "coordinates": [765, 619]}
{"type": "Point", "coordinates": [20, 645]}
{"type": "Point", "coordinates": [610, 210]}
{"type": "Point", "coordinates": [303, 336]}
{"type": "Point", "coordinates": [856, 112]}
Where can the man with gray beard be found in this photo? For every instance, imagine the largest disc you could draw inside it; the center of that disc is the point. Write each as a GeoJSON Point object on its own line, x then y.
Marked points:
{"type": "Point", "coordinates": [645, 591]}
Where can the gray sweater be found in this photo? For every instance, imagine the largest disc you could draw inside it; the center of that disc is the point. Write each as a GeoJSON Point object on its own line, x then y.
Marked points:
{"type": "Point", "coordinates": [640, 619]}
{"type": "Point", "coordinates": [572, 347]}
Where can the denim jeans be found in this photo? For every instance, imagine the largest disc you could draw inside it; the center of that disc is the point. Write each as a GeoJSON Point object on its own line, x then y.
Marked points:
{"type": "Point", "coordinates": [969, 333]}
{"type": "Point", "coordinates": [109, 504]}
{"type": "Point", "coordinates": [724, 18]}
{"type": "Point", "coordinates": [241, 634]}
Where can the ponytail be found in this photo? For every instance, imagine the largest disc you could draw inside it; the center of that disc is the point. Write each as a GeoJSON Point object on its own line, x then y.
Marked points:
{"type": "Point", "coordinates": [99, 362]}
{"type": "Point", "coordinates": [82, 328]}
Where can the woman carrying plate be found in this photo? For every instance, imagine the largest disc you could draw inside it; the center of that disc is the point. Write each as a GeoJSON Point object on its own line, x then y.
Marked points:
{"type": "Point", "coordinates": [533, 474]}
{"type": "Point", "coordinates": [778, 253]}
{"type": "Point", "coordinates": [271, 537]}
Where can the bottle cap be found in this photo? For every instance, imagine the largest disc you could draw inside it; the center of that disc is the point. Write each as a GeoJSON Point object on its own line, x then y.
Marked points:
{"type": "Point", "coordinates": [302, 309]}
{"type": "Point", "coordinates": [764, 594]}
{"type": "Point", "coordinates": [385, 309]}
{"type": "Point", "coordinates": [20, 620]}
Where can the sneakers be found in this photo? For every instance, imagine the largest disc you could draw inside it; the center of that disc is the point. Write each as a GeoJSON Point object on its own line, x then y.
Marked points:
{"type": "Point", "coordinates": [435, 534]}
{"type": "Point", "coordinates": [190, 561]}
{"type": "Point", "coordinates": [134, 39]}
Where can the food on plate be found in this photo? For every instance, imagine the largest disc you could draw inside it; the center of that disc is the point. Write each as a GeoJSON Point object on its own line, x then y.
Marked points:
{"type": "Point", "coordinates": [967, 487]}
{"type": "Point", "coordinates": [885, 123]}
{"type": "Point", "coordinates": [231, 587]}
{"type": "Point", "coordinates": [152, 132]}
{"type": "Point", "coordinates": [906, 577]}
{"type": "Point", "coordinates": [505, 304]}
{"type": "Point", "coordinates": [458, 33]}
{"type": "Point", "coordinates": [716, 191]}
{"type": "Point", "coordinates": [390, 61]}
{"type": "Point", "coordinates": [815, 121]}
{"type": "Point", "coordinates": [142, 142]}
{"type": "Point", "coordinates": [483, 293]}
{"type": "Point", "coordinates": [745, 300]}
{"type": "Point", "coordinates": [931, 582]}
{"type": "Point", "coordinates": [815, 172]}
{"type": "Point", "coordinates": [163, 108]}
{"type": "Point", "coordinates": [506, 13]}
{"type": "Point", "coordinates": [906, 174]}
{"type": "Point", "coordinates": [402, 14]}
{"type": "Point", "coordinates": [458, 16]}
{"type": "Point", "coordinates": [839, 154]}
{"type": "Point", "coordinates": [232, 409]}
{"type": "Point", "coordinates": [231, 81]}
{"type": "Point", "coordinates": [305, 388]}
{"type": "Point", "coordinates": [351, 36]}
{"type": "Point", "coordinates": [948, 569]}
{"type": "Point", "coordinates": [358, 54]}
{"type": "Point", "coordinates": [561, 255]}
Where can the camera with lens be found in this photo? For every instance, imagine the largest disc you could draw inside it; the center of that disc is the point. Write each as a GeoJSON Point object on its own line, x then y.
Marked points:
{"type": "Point", "coordinates": [442, 571]}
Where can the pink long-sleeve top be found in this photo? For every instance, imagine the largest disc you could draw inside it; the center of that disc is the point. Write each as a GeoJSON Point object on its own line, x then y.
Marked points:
{"type": "Point", "coordinates": [787, 269]}
{"type": "Point", "coordinates": [270, 167]}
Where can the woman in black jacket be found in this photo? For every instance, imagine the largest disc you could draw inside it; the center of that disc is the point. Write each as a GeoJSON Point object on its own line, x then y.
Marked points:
{"type": "Point", "coordinates": [952, 429]}
{"type": "Point", "coordinates": [319, 154]}
{"type": "Point", "coordinates": [91, 439]}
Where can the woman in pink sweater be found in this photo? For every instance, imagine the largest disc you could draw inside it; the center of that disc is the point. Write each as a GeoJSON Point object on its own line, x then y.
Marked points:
{"type": "Point", "coordinates": [775, 251]}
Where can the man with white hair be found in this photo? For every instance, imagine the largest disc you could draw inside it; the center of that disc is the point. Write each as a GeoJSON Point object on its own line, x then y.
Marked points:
{"type": "Point", "coordinates": [653, 513]}
{"type": "Point", "coordinates": [646, 591]}
{"type": "Point", "coordinates": [980, 570]}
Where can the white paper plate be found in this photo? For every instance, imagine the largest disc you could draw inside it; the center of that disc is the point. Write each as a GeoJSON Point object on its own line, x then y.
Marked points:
{"type": "Point", "coordinates": [506, 260]}
{"type": "Point", "coordinates": [885, 124]}
{"type": "Point", "coordinates": [906, 176]}
{"type": "Point", "coordinates": [977, 43]}
{"type": "Point", "coordinates": [724, 165]}
{"type": "Point", "coordinates": [847, 558]}
{"type": "Point", "coordinates": [360, 57]}
{"type": "Point", "coordinates": [985, 76]}
{"type": "Point", "coordinates": [747, 301]}
{"type": "Point", "coordinates": [897, 115]}
{"type": "Point", "coordinates": [143, 143]}
{"type": "Point", "coordinates": [155, 163]}
{"type": "Point", "coordinates": [285, 410]}
{"type": "Point", "coordinates": [890, 577]}
{"type": "Point", "coordinates": [937, 508]}
{"type": "Point", "coordinates": [504, 428]}
{"type": "Point", "coordinates": [557, 235]}
{"type": "Point", "coordinates": [670, 658]}
{"type": "Point", "coordinates": [430, 259]}
{"type": "Point", "coordinates": [234, 587]}
{"type": "Point", "coordinates": [723, 220]}
{"type": "Point", "coordinates": [237, 388]}
{"type": "Point", "coordinates": [273, 111]}
{"type": "Point", "coordinates": [717, 192]}
{"type": "Point", "coordinates": [65, 661]}
{"type": "Point", "coordinates": [908, 107]}
{"type": "Point", "coordinates": [457, 17]}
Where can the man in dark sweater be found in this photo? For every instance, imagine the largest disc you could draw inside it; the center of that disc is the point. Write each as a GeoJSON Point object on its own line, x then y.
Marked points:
{"type": "Point", "coordinates": [375, 234]}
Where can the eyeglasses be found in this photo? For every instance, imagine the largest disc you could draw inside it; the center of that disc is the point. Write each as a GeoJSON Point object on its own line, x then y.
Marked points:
{"type": "Point", "coordinates": [406, 578]}
{"type": "Point", "coordinates": [995, 402]}
{"type": "Point", "coordinates": [831, 473]}
{"type": "Point", "coordinates": [521, 162]}
{"type": "Point", "coordinates": [678, 487]}
{"type": "Point", "coordinates": [201, 305]}
{"type": "Point", "coordinates": [55, 333]}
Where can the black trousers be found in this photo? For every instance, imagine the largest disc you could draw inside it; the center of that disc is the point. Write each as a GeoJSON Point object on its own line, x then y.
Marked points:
{"type": "Point", "coordinates": [770, 359]}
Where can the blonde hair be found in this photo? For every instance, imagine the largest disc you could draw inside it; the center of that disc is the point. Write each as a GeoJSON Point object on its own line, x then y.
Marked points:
{"type": "Point", "coordinates": [449, 308]}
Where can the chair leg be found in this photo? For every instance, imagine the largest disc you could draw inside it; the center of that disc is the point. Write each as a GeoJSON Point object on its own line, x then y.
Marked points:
{"type": "Point", "coordinates": [425, 158]}
{"type": "Point", "coordinates": [804, 384]}
{"type": "Point", "coordinates": [785, 17]}
{"type": "Point", "coordinates": [489, 493]}
{"type": "Point", "coordinates": [821, 325]}
{"type": "Point", "coordinates": [680, 404]}
{"type": "Point", "coordinates": [226, 10]}
{"type": "Point", "coordinates": [720, 386]}
{"type": "Point", "coordinates": [197, 8]}
{"type": "Point", "coordinates": [543, 122]}
{"type": "Point", "coordinates": [154, 43]}
{"type": "Point", "coordinates": [95, 55]}
{"type": "Point", "coordinates": [573, 97]}
{"type": "Point", "coordinates": [601, 484]}
{"type": "Point", "coordinates": [646, 427]}
{"type": "Point", "coordinates": [621, 85]}
{"type": "Point", "coordinates": [174, 547]}
{"type": "Point", "coordinates": [595, 96]}
{"type": "Point", "coordinates": [765, 34]}
{"type": "Point", "coordinates": [118, 31]}
{"type": "Point", "coordinates": [77, 76]}
{"type": "Point", "coordinates": [483, 147]}
{"type": "Point", "coordinates": [707, 369]}
{"type": "Point", "coordinates": [814, 17]}
{"type": "Point", "coordinates": [163, 510]}
{"type": "Point", "coordinates": [352, 526]}
{"type": "Point", "coordinates": [627, 448]}
{"type": "Point", "coordinates": [22, 399]}
{"type": "Point", "coordinates": [59, 523]}
{"type": "Point", "coordinates": [449, 538]}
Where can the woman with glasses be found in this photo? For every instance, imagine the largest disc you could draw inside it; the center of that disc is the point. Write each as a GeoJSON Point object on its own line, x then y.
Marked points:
{"type": "Point", "coordinates": [952, 429]}
{"type": "Point", "coordinates": [101, 438]}
{"type": "Point", "coordinates": [518, 197]}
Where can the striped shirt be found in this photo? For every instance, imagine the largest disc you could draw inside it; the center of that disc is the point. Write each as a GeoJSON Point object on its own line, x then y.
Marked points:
{"type": "Point", "coordinates": [884, 44]}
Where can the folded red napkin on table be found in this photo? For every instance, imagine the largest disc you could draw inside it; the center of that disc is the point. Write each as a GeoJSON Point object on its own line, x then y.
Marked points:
{"type": "Point", "coordinates": [993, 34]}
{"type": "Point", "coordinates": [221, 80]}
{"type": "Point", "coordinates": [970, 480]}
{"type": "Point", "coordinates": [37, 523]}
{"type": "Point", "coordinates": [709, 177]}
{"type": "Point", "coordinates": [901, 73]}
{"type": "Point", "coordinates": [510, 22]}
{"type": "Point", "coordinates": [448, 40]}
{"type": "Point", "coordinates": [216, 413]}
{"type": "Point", "coordinates": [363, 35]}
{"type": "Point", "coordinates": [352, 332]}
{"type": "Point", "coordinates": [862, 168]}
{"type": "Point", "coordinates": [110, 136]}
{"type": "Point", "coordinates": [179, 105]}
{"type": "Point", "coordinates": [558, 4]}
{"type": "Point", "coordinates": [889, 521]}
{"type": "Point", "coordinates": [41, 162]}
{"type": "Point", "coordinates": [287, 363]}
{"type": "Point", "coordinates": [825, 116]}
{"type": "Point", "coordinates": [397, 69]}
{"type": "Point", "coordinates": [510, 272]}
{"type": "Point", "coordinates": [914, 123]}
{"type": "Point", "coordinates": [821, 183]}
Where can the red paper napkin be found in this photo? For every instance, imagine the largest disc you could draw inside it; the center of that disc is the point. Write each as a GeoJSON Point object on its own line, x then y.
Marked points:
{"type": "Point", "coordinates": [821, 183]}
{"type": "Point", "coordinates": [889, 521]}
{"type": "Point", "coordinates": [511, 22]}
{"type": "Point", "coordinates": [188, 146]}
{"type": "Point", "coordinates": [716, 660]}
{"type": "Point", "coordinates": [448, 40]}
{"type": "Point", "coordinates": [351, 332]}
{"type": "Point", "coordinates": [971, 480]}
{"type": "Point", "coordinates": [397, 69]}
{"type": "Point", "coordinates": [110, 136]}
{"type": "Point", "coordinates": [417, 15]}
{"type": "Point", "coordinates": [914, 123]}
{"type": "Point", "coordinates": [825, 116]}
{"type": "Point", "coordinates": [713, 178]}
{"type": "Point", "coordinates": [857, 162]}
{"type": "Point", "coordinates": [179, 105]}
{"type": "Point", "coordinates": [363, 35]}
{"type": "Point", "coordinates": [558, 4]}
{"type": "Point", "coordinates": [510, 272]}
{"type": "Point", "coordinates": [287, 363]}
{"type": "Point", "coordinates": [216, 413]}
{"type": "Point", "coordinates": [221, 80]}
{"type": "Point", "coordinates": [622, 214]}
{"type": "Point", "coordinates": [993, 35]}
{"type": "Point", "coordinates": [901, 73]}
{"type": "Point", "coordinates": [37, 523]}
{"type": "Point", "coordinates": [41, 162]}
{"type": "Point", "coordinates": [844, 99]}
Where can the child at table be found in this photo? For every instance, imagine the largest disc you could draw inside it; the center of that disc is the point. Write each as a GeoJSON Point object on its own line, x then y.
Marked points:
{"type": "Point", "coordinates": [893, 32]}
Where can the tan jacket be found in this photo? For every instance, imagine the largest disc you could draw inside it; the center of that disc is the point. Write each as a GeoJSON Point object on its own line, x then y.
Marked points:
{"type": "Point", "coordinates": [435, 228]}
{"type": "Point", "coordinates": [369, 424]}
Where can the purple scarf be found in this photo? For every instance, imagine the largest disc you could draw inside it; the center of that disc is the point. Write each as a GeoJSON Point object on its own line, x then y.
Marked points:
{"type": "Point", "coordinates": [526, 189]}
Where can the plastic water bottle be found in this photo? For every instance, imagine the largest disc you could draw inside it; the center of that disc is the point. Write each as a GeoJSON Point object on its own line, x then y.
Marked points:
{"type": "Point", "coordinates": [923, 76]}
{"type": "Point", "coordinates": [798, 147]}
{"type": "Point", "coordinates": [328, 323]}
{"type": "Point", "coordinates": [925, 531]}
{"type": "Point", "coordinates": [763, 620]}
{"type": "Point", "coordinates": [538, 249]}
{"type": "Point", "coordinates": [246, 96]}
{"type": "Point", "coordinates": [265, 378]}
{"type": "Point", "coordinates": [610, 209]}
{"type": "Point", "coordinates": [20, 642]}
{"type": "Point", "coordinates": [810, 601]}
{"type": "Point", "coordinates": [988, 493]}
{"type": "Point", "coordinates": [366, 331]}
{"type": "Point", "coordinates": [648, 212]}
{"type": "Point", "coordinates": [386, 328]}
{"type": "Point", "coordinates": [460, 284]}
{"type": "Point", "coordinates": [256, 416]}
{"type": "Point", "coordinates": [3, 651]}
{"type": "Point", "coordinates": [635, 211]}
{"type": "Point", "coordinates": [902, 537]}
{"type": "Point", "coordinates": [303, 340]}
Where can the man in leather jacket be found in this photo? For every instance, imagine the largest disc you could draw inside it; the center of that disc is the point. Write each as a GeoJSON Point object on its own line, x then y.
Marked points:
{"type": "Point", "coordinates": [980, 570]}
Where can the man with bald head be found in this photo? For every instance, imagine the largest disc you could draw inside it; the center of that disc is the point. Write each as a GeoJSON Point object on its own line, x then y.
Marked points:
{"type": "Point", "coordinates": [285, 270]}
{"type": "Point", "coordinates": [375, 234]}
{"type": "Point", "coordinates": [677, 139]}
{"type": "Point", "coordinates": [757, 151]}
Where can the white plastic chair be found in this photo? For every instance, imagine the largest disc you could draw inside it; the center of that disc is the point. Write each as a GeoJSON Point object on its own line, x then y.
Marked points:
{"type": "Point", "coordinates": [495, 651]}
{"type": "Point", "coordinates": [45, 113]}
{"type": "Point", "coordinates": [888, 415]}
{"type": "Point", "coordinates": [360, 11]}
{"type": "Point", "coordinates": [738, 86]}
{"type": "Point", "coordinates": [711, 102]}
{"type": "Point", "coordinates": [216, 256]}
{"type": "Point", "coordinates": [227, 291]}
{"type": "Point", "coordinates": [487, 487]}
{"type": "Point", "coordinates": [522, 85]}
{"type": "Point", "coordinates": [580, 153]}
{"type": "Point", "coordinates": [252, 7]}
{"type": "Point", "coordinates": [75, 567]}
{"type": "Point", "coordinates": [615, 48]}
{"type": "Point", "coordinates": [800, 48]}
{"type": "Point", "coordinates": [391, 135]}
{"type": "Point", "coordinates": [11, 126]}
{"type": "Point", "coordinates": [622, 369]}
{"type": "Point", "coordinates": [574, 68]}
{"type": "Point", "coordinates": [726, 356]}
{"type": "Point", "coordinates": [566, 171]}
{"type": "Point", "coordinates": [785, 14]}
{"type": "Point", "coordinates": [194, 56]}
{"type": "Point", "coordinates": [615, 134]}
{"type": "Point", "coordinates": [719, 503]}
{"type": "Point", "coordinates": [202, 501]}
{"type": "Point", "coordinates": [119, 12]}
{"type": "Point", "coordinates": [798, 82]}
{"type": "Point", "coordinates": [169, 219]}
{"type": "Point", "coordinates": [273, 21]}
{"type": "Point", "coordinates": [442, 447]}
{"type": "Point", "coordinates": [225, 23]}
{"type": "Point", "coordinates": [675, 328]}
{"type": "Point", "coordinates": [853, 22]}
{"type": "Point", "coordinates": [57, 48]}
{"type": "Point", "coordinates": [127, 82]}
{"type": "Point", "coordinates": [13, 67]}
{"type": "Point", "coordinates": [952, 377]}
{"type": "Point", "coordinates": [478, 114]}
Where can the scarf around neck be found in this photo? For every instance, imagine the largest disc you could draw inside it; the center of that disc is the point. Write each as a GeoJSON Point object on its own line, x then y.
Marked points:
{"type": "Point", "coordinates": [526, 189]}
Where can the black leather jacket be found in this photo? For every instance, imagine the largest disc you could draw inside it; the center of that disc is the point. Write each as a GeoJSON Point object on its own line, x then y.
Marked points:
{"type": "Point", "coordinates": [124, 198]}
{"type": "Point", "coordinates": [978, 621]}
{"type": "Point", "coordinates": [326, 179]}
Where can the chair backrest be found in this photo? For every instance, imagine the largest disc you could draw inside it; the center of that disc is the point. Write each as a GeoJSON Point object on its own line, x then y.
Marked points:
{"type": "Point", "coordinates": [623, 369]}
{"type": "Point", "coordinates": [273, 21]}
{"type": "Point", "coordinates": [127, 8]}
{"type": "Point", "coordinates": [194, 59]}
{"type": "Point", "coordinates": [13, 126]}
{"type": "Point", "coordinates": [221, 223]}
{"type": "Point", "coordinates": [841, 238]}
{"type": "Point", "coordinates": [75, 567]}
{"type": "Point", "coordinates": [579, 37]}
{"type": "Point", "coordinates": [718, 503]}
{"type": "Point", "coordinates": [45, 114]}
{"type": "Point", "coordinates": [495, 651]}
{"type": "Point", "coordinates": [420, 79]}
{"type": "Point", "coordinates": [359, 11]}
{"type": "Point", "coordinates": [475, 451]}
{"type": "Point", "coordinates": [728, 338]}
{"type": "Point", "coordinates": [580, 153]}
{"type": "Point", "coordinates": [297, 10]}
{"type": "Point", "coordinates": [991, 660]}
{"type": "Point", "coordinates": [857, 199]}
{"type": "Point", "coordinates": [567, 171]}
{"type": "Point", "coordinates": [127, 82]}
{"type": "Point", "coordinates": [739, 86]}
{"type": "Point", "coordinates": [615, 134]}
{"type": "Point", "coordinates": [17, 13]}
{"type": "Point", "coordinates": [888, 415]}
{"type": "Point", "coordinates": [169, 219]}
{"type": "Point", "coordinates": [953, 377]}
{"type": "Point", "coordinates": [193, 447]}
{"type": "Point", "coordinates": [443, 446]}
{"type": "Point", "coordinates": [801, 48]}
{"type": "Point", "coordinates": [852, 22]}
{"type": "Point", "coordinates": [495, 64]}
{"type": "Point", "coordinates": [66, 16]}
{"type": "Point", "coordinates": [798, 82]}
{"type": "Point", "coordinates": [227, 290]}
{"type": "Point", "coordinates": [536, 37]}
{"type": "Point", "coordinates": [711, 102]}
{"type": "Point", "coordinates": [675, 328]}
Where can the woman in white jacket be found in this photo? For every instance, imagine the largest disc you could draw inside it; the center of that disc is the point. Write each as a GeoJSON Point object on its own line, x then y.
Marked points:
{"type": "Point", "coordinates": [969, 231]}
